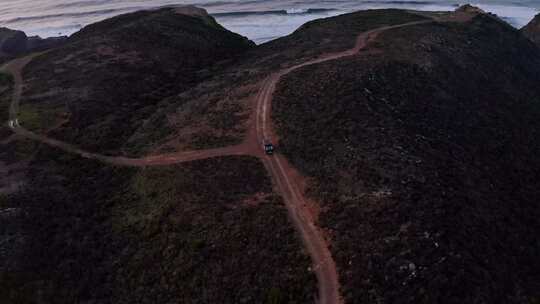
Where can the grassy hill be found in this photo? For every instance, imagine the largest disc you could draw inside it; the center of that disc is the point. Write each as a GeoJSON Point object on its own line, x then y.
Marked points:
{"type": "Point", "coordinates": [203, 232]}
{"type": "Point", "coordinates": [326, 35]}
{"type": "Point", "coordinates": [422, 151]}
{"type": "Point", "coordinates": [216, 112]}
{"type": "Point", "coordinates": [107, 80]}
{"type": "Point", "coordinates": [424, 156]}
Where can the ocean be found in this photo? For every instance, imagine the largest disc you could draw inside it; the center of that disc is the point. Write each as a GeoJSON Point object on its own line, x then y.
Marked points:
{"type": "Point", "coordinates": [259, 20]}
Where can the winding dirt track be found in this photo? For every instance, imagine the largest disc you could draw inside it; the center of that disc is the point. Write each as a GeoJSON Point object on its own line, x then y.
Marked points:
{"type": "Point", "coordinates": [283, 174]}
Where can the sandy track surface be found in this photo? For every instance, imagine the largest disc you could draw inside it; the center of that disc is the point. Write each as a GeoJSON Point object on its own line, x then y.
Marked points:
{"type": "Point", "coordinates": [285, 177]}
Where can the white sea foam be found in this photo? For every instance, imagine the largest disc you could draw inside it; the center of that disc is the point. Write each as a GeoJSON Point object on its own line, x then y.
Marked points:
{"type": "Point", "coordinates": [260, 20]}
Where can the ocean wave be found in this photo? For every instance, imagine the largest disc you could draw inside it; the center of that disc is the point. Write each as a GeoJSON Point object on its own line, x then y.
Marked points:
{"type": "Point", "coordinates": [307, 11]}
{"type": "Point", "coordinates": [215, 3]}
{"type": "Point", "coordinates": [404, 2]}
{"type": "Point", "coordinates": [48, 18]}
{"type": "Point", "coordinates": [111, 11]}
{"type": "Point", "coordinates": [79, 4]}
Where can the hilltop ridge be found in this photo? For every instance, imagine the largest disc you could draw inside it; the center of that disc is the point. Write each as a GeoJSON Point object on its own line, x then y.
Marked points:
{"type": "Point", "coordinates": [532, 30]}
{"type": "Point", "coordinates": [404, 168]}
{"type": "Point", "coordinates": [122, 67]}
{"type": "Point", "coordinates": [15, 43]}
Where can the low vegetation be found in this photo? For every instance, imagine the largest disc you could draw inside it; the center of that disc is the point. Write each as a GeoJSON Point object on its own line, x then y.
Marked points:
{"type": "Point", "coordinates": [326, 35]}
{"type": "Point", "coordinates": [6, 92]}
{"type": "Point", "coordinates": [192, 79]}
{"type": "Point", "coordinates": [203, 232]}
{"type": "Point", "coordinates": [423, 152]}
{"type": "Point", "coordinates": [40, 118]}
{"type": "Point", "coordinates": [214, 113]}
{"type": "Point", "coordinates": [111, 76]}
{"type": "Point", "coordinates": [425, 158]}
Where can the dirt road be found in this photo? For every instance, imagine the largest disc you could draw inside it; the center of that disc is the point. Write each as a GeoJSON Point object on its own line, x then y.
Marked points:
{"type": "Point", "coordinates": [15, 68]}
{"type": "Point", "coordinates": [283, 174]}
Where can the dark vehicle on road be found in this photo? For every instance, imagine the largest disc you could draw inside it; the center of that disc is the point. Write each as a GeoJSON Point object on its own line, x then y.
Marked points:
{"type": "Point", "coordinates": [268, 148]}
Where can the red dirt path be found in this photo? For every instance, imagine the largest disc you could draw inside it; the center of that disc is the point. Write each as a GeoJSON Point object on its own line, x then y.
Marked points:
{"type": "Point", "coordinates": [288, 180]}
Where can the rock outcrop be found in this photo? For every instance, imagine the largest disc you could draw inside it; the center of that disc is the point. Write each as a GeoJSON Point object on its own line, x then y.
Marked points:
{"type": "Point", "coordinates": [191, 10]}
{"type": "Point", "coordinates": [14, 43]}
{"type": "Point", "coordinates": [532, 30]}
{"type": "Point", "coordinates": [467, 8]}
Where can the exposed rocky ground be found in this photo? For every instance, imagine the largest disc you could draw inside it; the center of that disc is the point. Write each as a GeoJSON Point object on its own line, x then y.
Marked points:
{"type": "Point", "coordinates": [424, 155]}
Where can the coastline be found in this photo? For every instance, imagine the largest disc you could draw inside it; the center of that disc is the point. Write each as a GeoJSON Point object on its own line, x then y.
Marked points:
{"type": "Point", "coordinates": [260, 22]}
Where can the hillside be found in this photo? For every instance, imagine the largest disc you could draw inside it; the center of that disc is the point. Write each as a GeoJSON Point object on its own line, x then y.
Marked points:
{"type": "Point", "coordinates": [194, 233]}
{"type": "Point", "coordinates": [11, 43]}
{"type": "Point", "coordinates": [424, 157]}
{"type": "Point", "coordinates": [406, 165]}
{"type": "Point", "coordinates": [15, 43]}
{"type": "Point", "coordinates": [326, 35]}
{"type": "Point", "coordinates": [219, 111]}
{"type": "Point", "coordinates": [532, 30]}
{"type": "Point", "coordinates": [98, 90]}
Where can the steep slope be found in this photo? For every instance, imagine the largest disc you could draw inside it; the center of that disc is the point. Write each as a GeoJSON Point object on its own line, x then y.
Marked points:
{"type": "Point", "coordinates": [6, 90]}
{"type": "Point", "coordinates": [423, 152]}
{"type": "Point", "coordinates": [218, 111]}
{"type": "Point", "coordinates": [326, 35]}
{"type": "Point", "coordinates": [532, 30]}
{"type": "Point", "coordinates": [183, 102]}
{"type": "Point", "coordinates": [12, 42]}
{"type": "Point", "coordinates": [203, 232]}
{"type": "Point", "coordinates": [99, 88]}
{"type": "Point", "coordinates": [15, 43]}
{"type": "Point", "coordinates": [418, 141]}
